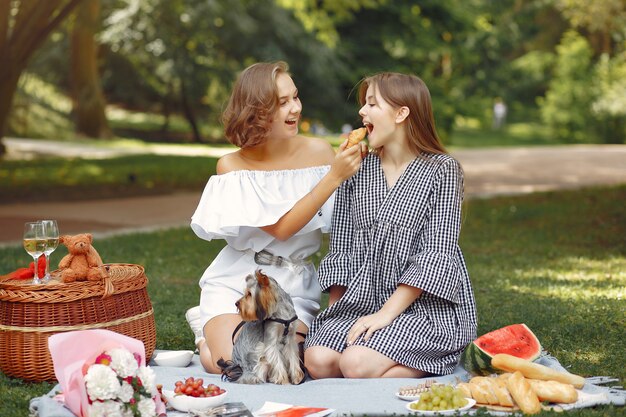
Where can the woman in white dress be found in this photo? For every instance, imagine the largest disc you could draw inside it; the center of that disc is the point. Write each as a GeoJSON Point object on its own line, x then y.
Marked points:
{"type": "Point", "coordinates": [270, 200]}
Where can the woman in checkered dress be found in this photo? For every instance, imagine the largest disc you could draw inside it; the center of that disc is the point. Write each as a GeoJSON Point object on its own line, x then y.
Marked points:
{"type": "Point", "coordinates": [401, 302]}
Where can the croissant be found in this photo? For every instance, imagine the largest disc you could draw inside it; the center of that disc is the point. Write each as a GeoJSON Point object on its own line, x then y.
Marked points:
{"type": "Point", "coordinates": [356, 136]}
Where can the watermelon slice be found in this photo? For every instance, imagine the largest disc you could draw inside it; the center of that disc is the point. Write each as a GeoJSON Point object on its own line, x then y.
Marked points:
{"type": "Point", "coordinates": [517, 340]}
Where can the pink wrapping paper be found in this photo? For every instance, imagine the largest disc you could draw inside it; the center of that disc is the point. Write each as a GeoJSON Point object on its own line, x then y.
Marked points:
{"type": "Point", "coordinates": [73, 352]}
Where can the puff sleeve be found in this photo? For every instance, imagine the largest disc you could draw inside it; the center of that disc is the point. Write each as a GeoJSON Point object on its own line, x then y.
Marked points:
{"type": "Point", "coordinates": [436, 268]}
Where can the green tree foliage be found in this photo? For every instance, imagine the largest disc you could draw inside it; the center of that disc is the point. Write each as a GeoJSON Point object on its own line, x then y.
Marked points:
{"type": "Point", "coordinates": [181, 56]}
{"type": "Point", "coordinates": [188, 52]}
{"type": "Point", "coordinates": [567, 105]}
{"type": "Point", "coordinates": [603, 21]}
{"type": "Point", "coordinates": [428, 39]}
{"type": "Point", "coordinates": [609, 108]}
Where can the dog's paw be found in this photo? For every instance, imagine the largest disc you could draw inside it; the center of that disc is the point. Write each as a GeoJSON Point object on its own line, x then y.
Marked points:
{"type": "Point", "coordinates": [250, 378]}
{"type": "Point", "coordinates": [297, 377]}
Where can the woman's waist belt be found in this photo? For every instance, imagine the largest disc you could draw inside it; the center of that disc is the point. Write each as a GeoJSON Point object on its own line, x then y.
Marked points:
{"type": "Point", "coordinates": [266, 258]}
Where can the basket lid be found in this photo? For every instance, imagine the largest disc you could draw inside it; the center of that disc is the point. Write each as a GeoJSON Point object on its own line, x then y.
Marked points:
{"type": "Point", "coordinates": [122, 278]}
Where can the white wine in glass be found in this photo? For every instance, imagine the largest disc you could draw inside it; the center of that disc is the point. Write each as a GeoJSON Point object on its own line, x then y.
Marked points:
{"type": "Point", "coordinates": [34, 244]}
{"type": "Point", "coordinates": [51, 232]}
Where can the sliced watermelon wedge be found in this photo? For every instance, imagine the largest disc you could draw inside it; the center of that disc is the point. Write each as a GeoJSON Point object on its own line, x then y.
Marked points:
{"type": "Point", "coordinates": [517, 340]}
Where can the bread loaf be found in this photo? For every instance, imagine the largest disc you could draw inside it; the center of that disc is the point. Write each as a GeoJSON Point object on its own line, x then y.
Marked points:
{"type": "Point", "coordinates": [522, 393]}
{"type": "Point", "coordinates": [554, 391]}
{"type": "Point", "coordinates": [532, 370]}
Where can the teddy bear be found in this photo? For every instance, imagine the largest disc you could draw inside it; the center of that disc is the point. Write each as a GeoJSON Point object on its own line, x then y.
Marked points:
{"type": "Point", "coordinates": [83, 261]}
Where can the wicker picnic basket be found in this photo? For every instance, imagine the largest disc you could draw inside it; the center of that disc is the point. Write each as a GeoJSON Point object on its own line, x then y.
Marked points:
{"type": "Point", "coordinates": [29, 314]}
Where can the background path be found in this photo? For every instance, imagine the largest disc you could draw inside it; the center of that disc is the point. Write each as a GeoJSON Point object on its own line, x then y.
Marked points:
{"type": "Point", "coordinates": [488, 172]}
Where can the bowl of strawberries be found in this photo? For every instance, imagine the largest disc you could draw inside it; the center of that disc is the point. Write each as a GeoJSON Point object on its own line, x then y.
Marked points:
{"type": "Point", "coordinates": [192, 395]}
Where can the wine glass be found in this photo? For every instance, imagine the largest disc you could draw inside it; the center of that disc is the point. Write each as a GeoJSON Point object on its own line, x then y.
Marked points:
{"type": "Point", "coordinates": [51, 233]}
{"type": "Point", "coordinates": [34, 243]}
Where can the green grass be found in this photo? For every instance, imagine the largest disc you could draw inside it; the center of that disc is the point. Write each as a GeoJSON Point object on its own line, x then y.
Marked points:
{"type": "Point", "coordinates": [468, 134]}
{"type": "Point", "coordinates": [555, 261]}
{"type": "Point", "coordinates": [77, 178]}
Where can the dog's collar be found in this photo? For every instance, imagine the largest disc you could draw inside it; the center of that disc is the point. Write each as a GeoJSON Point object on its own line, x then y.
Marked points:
{"type": "Point", "coordinates": [284, 322]}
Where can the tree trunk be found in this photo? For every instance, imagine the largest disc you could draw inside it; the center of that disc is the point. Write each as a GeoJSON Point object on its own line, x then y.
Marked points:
{"type": "Point", "coordinates": [88, 100]}
{"type": "Point", "coordinates": [188, 111]}
{"type": "Point", "coordinates": [21, 33]}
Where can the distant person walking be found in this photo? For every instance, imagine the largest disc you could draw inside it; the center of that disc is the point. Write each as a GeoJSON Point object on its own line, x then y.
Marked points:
{"type": "Point", "coordinates": [499, 113]}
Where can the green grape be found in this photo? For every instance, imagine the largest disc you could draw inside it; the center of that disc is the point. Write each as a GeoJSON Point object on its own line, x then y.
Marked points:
{"type": "Point", "coordinates": [439, 398]}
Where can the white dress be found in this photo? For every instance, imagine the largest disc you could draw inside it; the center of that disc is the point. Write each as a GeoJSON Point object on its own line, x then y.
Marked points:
{"type": "Point", "coordinates": [233, 207]}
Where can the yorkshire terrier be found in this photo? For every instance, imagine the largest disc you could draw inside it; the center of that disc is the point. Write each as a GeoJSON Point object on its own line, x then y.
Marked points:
{"type": "Point", "coordinates": [266, 349]}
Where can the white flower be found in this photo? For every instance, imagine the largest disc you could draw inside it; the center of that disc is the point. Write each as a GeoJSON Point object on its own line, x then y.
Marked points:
{"type": "Point", "coordinates": [123, 362]}
{"type": "Point", "coordinates": [148, 379]}
{"type": "Point", "coordinates": [102, 383]}
{"type": "Point", "coordinates": [126, 392]}
{"type": "Point", "coordinates": [147, 407]}
{"type": "Point", "coordinates": [106, 409]}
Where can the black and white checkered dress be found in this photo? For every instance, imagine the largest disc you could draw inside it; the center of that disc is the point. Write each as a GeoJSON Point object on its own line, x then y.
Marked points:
{"type": "Point", "coordinates": [407, 234]}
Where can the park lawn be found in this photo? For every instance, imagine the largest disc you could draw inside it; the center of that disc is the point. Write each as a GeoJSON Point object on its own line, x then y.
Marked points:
{"type": "Point", "coordinates": [49, 179]}
{"type": "Point", "coordinates": [555, 261]}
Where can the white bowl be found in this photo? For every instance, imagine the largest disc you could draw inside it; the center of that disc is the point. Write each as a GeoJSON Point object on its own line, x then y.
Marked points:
{"type": "Point", "coordinates": [188, 403]}
{"type": "Point", "coordinates": [179, 358]}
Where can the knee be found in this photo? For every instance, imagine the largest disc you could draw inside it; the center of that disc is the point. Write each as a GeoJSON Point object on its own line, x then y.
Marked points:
{"type": "Point", "coordinates": [355, 364]}
{"type": "Point", "coordinates": [317, 363]}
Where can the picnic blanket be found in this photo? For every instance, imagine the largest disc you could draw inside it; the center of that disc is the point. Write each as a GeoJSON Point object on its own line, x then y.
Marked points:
{"type": "Point", "coordinates": [348, 397]}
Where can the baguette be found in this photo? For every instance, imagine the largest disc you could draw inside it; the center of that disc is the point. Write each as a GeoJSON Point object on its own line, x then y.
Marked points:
{"type": "Point", "coordinates": [486, 390]}
{"type": "Point", "coordinates": [483, 385]}
{"type": "Point", "coordinates": [522, 393]}
{"type": "Point", "coordinates": [502, 392]}
{"type": "Point", "coordinates": [356, 136]}
{"type": "Point", "coordinates": [480, 394]}
{"type": "Point", "coordinates": [554, 391]}
{"type": "Point", "coordinates": [532, 370]}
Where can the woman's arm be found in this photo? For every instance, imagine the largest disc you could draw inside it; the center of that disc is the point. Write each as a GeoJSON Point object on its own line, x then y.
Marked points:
{"type": "Point", "coordinates": [400, 300]}
{"type": "Point", "coordinates": [345, 164]}
{"type": "Point", "coordinates": [335, 292]}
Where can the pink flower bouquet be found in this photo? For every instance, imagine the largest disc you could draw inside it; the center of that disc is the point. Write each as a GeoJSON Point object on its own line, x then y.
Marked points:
{"type": "Point", "coordinates": [103, 373]}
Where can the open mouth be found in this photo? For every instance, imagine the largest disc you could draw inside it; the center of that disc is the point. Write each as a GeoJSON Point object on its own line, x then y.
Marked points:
{"type": "Point", "coordinates": [292, 122]}
{"type": "Point", "coordinates": [369, 127]}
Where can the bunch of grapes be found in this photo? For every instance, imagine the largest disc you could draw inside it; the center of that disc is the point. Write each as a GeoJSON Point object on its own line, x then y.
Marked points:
{"type": "Point", "coordinates": [439, 398]}
{"type": "Point", "coordinates": [195, 388]}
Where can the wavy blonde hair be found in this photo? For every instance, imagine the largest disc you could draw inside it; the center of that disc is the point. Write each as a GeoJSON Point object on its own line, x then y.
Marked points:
{"type": "Point", "coordinates": [252, 104]}
{"type": "Point", "coordinates": [408, 90]}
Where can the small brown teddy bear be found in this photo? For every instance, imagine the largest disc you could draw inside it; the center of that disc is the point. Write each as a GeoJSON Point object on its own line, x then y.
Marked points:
{"type": "Point", "coordinates": [83, 261]}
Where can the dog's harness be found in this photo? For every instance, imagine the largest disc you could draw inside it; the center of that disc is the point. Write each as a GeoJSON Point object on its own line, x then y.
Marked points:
{"type": "Point", "coordinates": [284, 322]}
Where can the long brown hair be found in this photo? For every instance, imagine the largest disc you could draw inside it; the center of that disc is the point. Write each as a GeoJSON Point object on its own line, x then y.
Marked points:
{"type": "Point", "coordinates": [408, 90]}
{"type": "Point", "coordinates": [252, 104]}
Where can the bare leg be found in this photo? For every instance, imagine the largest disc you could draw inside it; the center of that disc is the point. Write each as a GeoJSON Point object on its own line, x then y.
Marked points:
{"type": "Point", "coordinates": [301, 328]}
{"type": "Point", "coordinates": [218, 344]}
{"type": "Point", "coordinates": [322, 362]}
{"type": "Point", "coordinates": [401, 371]}
{"type": "Point", "coordinates": [363, 362]}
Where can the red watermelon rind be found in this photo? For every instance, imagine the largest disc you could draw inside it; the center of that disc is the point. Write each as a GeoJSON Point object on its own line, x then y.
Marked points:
{"type": "Point", "coordinates": [516, 339]}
